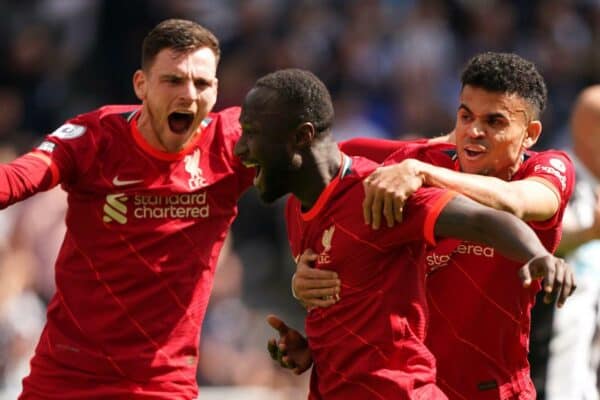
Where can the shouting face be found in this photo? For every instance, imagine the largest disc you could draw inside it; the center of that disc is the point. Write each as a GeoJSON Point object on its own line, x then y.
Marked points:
{"type": "Point", "coordinates": [267, 143]}
{"type": "Point", "coordinates": [178, 90]}
{"type": "Point", "coordinates": [492, 131]}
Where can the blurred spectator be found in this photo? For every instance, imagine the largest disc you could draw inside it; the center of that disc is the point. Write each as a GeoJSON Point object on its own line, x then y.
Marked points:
{"type": "Point", "coordinates": [40, 229]}
{"type": "Point", "coordinates": [234, 338]}
{"type": "Point", "coordinates": [22, 313]}
{"type": "Point", "coordinates": [575, 345]}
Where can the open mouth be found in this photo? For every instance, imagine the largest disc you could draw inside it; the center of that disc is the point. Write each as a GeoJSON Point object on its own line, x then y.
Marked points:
{"type": "Point", "coordinates": [180, 122]}
{"type": "Point", "coordinates": [258, 176]}
{"type": "Point", "coordinates": [474, 151]}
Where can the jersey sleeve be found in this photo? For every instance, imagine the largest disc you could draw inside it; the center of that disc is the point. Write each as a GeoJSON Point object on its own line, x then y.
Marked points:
{"type": "Point", "coordinates": [73, 147]}
{"type": "Point", "coordinates": [58, 159]}
{"type": "Point", "coordinates": [420, 215]}
{"type": "Point", "coordinates": [374, 149]}
{"type": "Point", "coordinates": [25, 176]}
{"type": "Point", "coordinates": [556, 168]}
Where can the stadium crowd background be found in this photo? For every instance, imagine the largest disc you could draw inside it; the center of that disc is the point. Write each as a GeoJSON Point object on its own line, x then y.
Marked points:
{"type": "Point", "coordinates": [392, 66]}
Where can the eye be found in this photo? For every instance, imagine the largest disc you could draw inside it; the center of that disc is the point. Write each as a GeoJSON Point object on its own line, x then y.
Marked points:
{"type": "Point", "coordinates": [465, 117]}
{"type": "Point", "coordinates": [173, 80]}
{"type": "Point", "coordinates": [201, 84]}
{"type": "Point", "coordinates": [496, 122]}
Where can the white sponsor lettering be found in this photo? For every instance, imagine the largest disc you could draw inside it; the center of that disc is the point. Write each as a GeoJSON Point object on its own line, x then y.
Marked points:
{"type": "Point", "coordinates": [558, 164]}
{"type": "Point", "coordinates": [549, 170]}
{"type": "Point", "coordinates": [188, 205]}
{"type": "Point", "coordinates": [69, 131]}
{"type": "Point", "coordinates": [435, 260]}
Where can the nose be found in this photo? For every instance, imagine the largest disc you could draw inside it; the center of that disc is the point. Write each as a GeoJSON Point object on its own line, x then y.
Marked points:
{"type": "Point", "coordinates": [189, 91]}
{"type": "Point", "coordinates": [476, 130]}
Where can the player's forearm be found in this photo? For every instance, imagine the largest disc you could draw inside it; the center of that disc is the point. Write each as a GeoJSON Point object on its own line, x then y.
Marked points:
{"type": "Point", "coordinates": [514, 239]}
{"type": "Point", "coordinates": [493, 192]}
{"type": "Point", "coordinates": [24, 177]}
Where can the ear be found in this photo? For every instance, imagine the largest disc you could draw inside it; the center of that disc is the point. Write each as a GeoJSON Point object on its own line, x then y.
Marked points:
{"type": "Point", "coordinates": [305, 134]}
{"type": "Point", "coordinates": [140, 84]}
{"type": "Point", "coordinates": [534, 129]}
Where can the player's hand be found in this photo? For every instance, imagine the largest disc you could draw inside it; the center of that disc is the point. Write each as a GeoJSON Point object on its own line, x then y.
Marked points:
{"type": "Point", "coordinates": [291, 351]}
{"type": "Point", "coordinates": [314, 287]}
{"type": "Point", "coordinates": [559, 278]}
{"type": "Point", "coordinates": [387, 189]}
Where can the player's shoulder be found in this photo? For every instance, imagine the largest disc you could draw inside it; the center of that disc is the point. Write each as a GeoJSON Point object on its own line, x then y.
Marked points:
{"type": "Point", "coordinates": [425, 151]}
{"type": "Point", "coordinates": [553, 165]}
{"type": "Point", "coordinates": [558, 159]}
{"type": "Point", "coordinates": [358, 168]}
{"type": "Point", "coordinates": [554, 162]}
{"type": "Point", "coordinates": [98, 122]}
{"type": "Point", "coordinates": [108, 113]}
{"type": "Point", "coordinates": [227, 120]}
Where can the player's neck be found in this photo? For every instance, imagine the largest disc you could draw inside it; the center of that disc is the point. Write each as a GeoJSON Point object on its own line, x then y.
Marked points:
{"type": "Point", "coordinates": [508, 174]}
{"type": "Point", "coordinates": [319, 168]}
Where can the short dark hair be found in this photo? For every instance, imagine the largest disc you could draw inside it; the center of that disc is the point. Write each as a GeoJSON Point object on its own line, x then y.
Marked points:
{"type": "Point", "coordinates": [180, 35]}
{"type": "Point", "coordinates": [507, 73]}
{"type": "Point", "coordinates": [304, 93]}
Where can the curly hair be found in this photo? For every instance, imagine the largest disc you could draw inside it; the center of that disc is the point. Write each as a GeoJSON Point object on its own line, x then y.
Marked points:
{"type": "Point", "coordinates": [305, 95]}
{"type": "Point", "coordinates": [180, 35]}
{"type": "Point", "coordinates": [507, 73]}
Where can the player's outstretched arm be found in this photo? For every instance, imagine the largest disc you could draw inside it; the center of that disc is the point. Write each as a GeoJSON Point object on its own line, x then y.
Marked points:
{"type": "Point", "coordinates": [25, 176]}
{"type": "Point", "coordinates": [387, 189]}
{"type": "Point", "coordinates": [291, 349]}
{"type": "Point", "coordinates": [465, 219]}
{"type": "Point", "coordinates": [314, 287]}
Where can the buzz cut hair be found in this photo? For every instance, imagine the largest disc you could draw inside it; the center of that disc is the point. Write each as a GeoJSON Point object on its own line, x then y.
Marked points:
{"type": "Point", "coordinates": [304, 93]}
{"type": "Point", "coordinates": [507, 73]}
{"type": "Point", "coordinates": [180, 35]}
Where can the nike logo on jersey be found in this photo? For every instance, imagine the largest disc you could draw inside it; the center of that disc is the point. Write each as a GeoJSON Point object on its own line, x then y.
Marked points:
{"type": "Point", "coordinates": [117, 182]}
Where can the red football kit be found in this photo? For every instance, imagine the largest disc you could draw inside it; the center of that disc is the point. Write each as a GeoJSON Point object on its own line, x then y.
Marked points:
{"type": "Point", "coordinates": [479, 312]}
{"type": "Point", "coordinates": [136, 268]}
{"type": "Point", "coordinates": [370, 344]}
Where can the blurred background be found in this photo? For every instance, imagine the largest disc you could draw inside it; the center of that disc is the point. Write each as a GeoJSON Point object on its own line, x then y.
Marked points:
{"type": "Point", "coordinates": [393, 68]}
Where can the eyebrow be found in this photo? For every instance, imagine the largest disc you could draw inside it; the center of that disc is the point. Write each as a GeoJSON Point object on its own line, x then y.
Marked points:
{"type": "Point", "coordinates": [171, 75]}
{"type": "Point", "coordinates": [491, 115]}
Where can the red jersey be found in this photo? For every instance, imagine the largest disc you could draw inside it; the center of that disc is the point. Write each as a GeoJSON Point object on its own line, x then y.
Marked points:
{"type": "Point", "coordinates": [135, 271]}
{"type": "Point", "coordinates": [479, 312]}
{"type": "Point", "coordinates": [370, 344]}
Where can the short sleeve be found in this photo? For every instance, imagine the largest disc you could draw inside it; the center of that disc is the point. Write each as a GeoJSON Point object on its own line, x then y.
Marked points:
{"type": "Point", "coordinates": [420, 215]}
{"type": "Point", "coordinates": [556, 168]}
{"type": "Point", "coordinates": [72, 148]}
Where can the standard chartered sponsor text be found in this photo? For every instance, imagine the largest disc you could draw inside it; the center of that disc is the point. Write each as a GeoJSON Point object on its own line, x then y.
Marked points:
{"type": "Point", "coordinates": [184, 205]}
